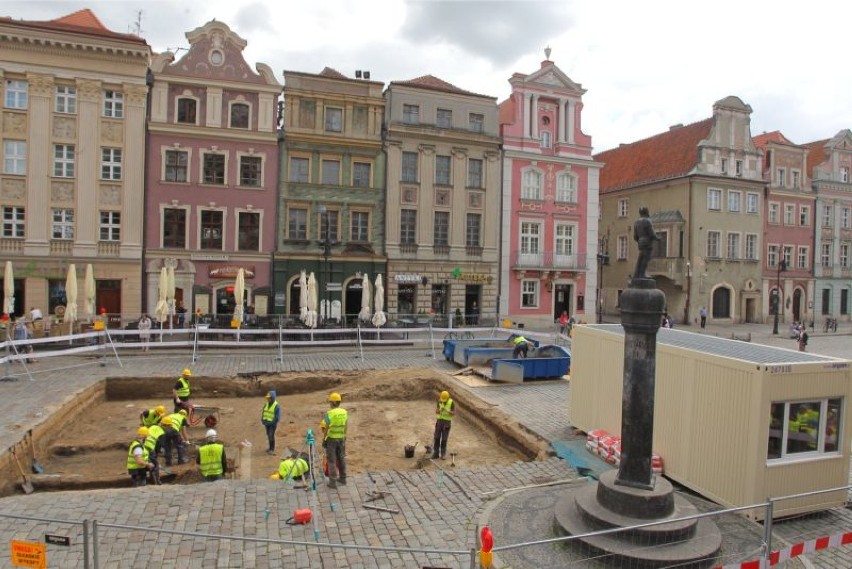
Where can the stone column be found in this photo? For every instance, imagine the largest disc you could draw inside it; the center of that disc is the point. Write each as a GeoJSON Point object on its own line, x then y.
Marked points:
{"type": "Point", "coordinates": [534, 117]}
{"type": "Point", "coordinates": [39, 163]}
{"type": "Point", "coordinates": [562, 118]}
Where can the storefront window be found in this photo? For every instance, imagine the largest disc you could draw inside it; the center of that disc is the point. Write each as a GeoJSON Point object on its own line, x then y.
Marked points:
{"type": "Point", "coordinates": [405, 298]}
{"type": "Point", "coordinates": [804, 427]}
{"type": "Point", "coordinates": [440, 299]}
{"type": "Point", "coordinates": [56, 294]}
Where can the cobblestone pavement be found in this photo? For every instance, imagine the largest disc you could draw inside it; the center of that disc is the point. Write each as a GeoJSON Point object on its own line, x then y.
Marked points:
{"type": "Point", "coordinates": [438, 512]}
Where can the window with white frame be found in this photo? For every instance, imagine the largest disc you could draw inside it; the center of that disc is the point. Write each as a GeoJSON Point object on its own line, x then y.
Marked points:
{"type": "Point", "coordinates": [110, 226]}
{"type": "Point", "coordinates": [63, 160]}
{"type": "Point", "coordinates": [844, 255]}
{"type": "Point", "coordinates": [408, 227]}
{"type": "Point", "coordinates": [330, 172]}
{"type": "Point", "coordinates": [248, 233]}
{"type": "Point", "coordinates": [297, 223]}
{"type": "Point", "coordinates": [359, 226]}
{"type": "Point", "coordinates": [802, 260]}
{"type": "Point", "coordinates": [212, 229]}
{"type": "Point", "coordinates": [176, 164]}
{"type": "Point", "coordinates": [545, 139]}
{"type": "Point", "coordinates": [796, 175]}
{"type": "Point", "coordinates": [473, 230]}
{"type": "Point", "coordinates": [781, 177]}
{"type": "Point", "coordinates": [825, 255]}
{"type": "Point", "coordinates": [566, 188]}
{"type": "Point", "coordinates": [240, 115]}
{"type": "Point", "coordinates": [798, 429]}
{"type": "Point", "coordinates": [474, 173]}
{"type": "Point", "coordinates": [333, 119]}
{"type": "Point", "coordinates": [187, 110]}
{"type": "Point", "coordinates": [621, 248]}
{"type": "Point", "coordinates": [714, 199]}
{"type": "Point", "coordinates": [409, 167]}
{"type": "Point", "coordinates": [565, 242]}
{"type": "Point", "coordinates": [411, 114]}
{"type": "Point", "coordinates": [789, 214]}
{"type": "Point", "coordinates": [827, 215]}
{"type": "Point", "coordinates": [531, 184]}
{"type": "Point", "coordinates": [251, 171]}
{"type": "Point", "coordinates": [623, 207]}
{"type": "Point", "coordinates": [14, 221]}
{"type": "Point", "coordinates": [299, 169]}
{"type": "Point", "coordinates": [530, 236]}
{"type": "Point", "coordinates": [66, 99]}
{"type": "Point", "coordinates": [476, 122]}
{"type": "Point", "coordinates": [738, 166]}
{"type": "Point", "coordinates": [15, 157]}
{"type": "Point", "coordinates": [733, 246]}
{"type": "Point", "coordinates": [110, 163]}
{"type": "Point", "coordinates": [735, 199]}
{"type": "Point", "coordinates": [174, 227]}
{"type": "Point", "coordinates": [362, 174]}
{"type": "Point", "coordinates": [752, 202]}
{"type": "Point", "coordinates": [844, 218]}
{"type": "Point", "coordinates": [774, 209]}
{"type": "Point", "coordinates": [62, 223]}
{"type": "Point", "coordinates": [751, 246]}
{"type": "Point", "coordinates": [804, 215]}
{"type": "Point", "coordinates": [844, 174]}
{"type": "Point", "coordinates": [113, 104]}
{"type": "Point", "coordinates": [772, 256]}
{"type": "Point", "coordinates": [444, 118]}
{"type": "Point", "coordinates": [213, 169]}
{"type": "Point", "coordinates": [443, 165]}
{"type": "Point", "coordinates": [788, 255]}
{"type": "Point", "coordinates": [529, 293]}
{"type": "Point", "coordinates": [724, 166]}
{"type": "Point", "coordinates": [16, 94]}
{"type": "Point", "coordinates": [713, 244]}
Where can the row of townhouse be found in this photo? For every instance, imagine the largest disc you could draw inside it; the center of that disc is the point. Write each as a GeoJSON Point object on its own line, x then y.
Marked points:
{"type": "Point", "coordinates": [749, 226]}
{"type": "Point", "coordinates": [134, 161]}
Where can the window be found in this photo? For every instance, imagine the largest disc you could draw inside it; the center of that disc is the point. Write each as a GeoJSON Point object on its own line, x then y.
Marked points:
{"type": "Point", "coordinates": [297, 223]}
{"type": "Point", "coordinates": [474, 173]}
{"type": "Point", "coordinates": [110, 164]}
{"type": "Point", "coordinates": [331, 218]}
{"type": "Point", "coordinates": [359, 226]}
{"type": "Point", "coordinates": [240, 113]}
{"type": "Point", "coordinates": [772, 256]}
{"type": "Point", "coordinates": [804, 215]}
{"type": "Point", "coordinates": [409, 167]}
{"type": "Point", "coordinates": [844, 218]}
{"type": "Point", "coordinates": [359, 118]}
{"type": "Point", "coordinates": [795, 175]}
{"type": "Point", "coordinates": [733, 245]}
{"type": "Point", "coordinates": [774, 208]}
{"type": "Point", "coordinates": [788, 255]}
{"type": "Point", "coordinates": [473, 230]}
{"type": "Point", "coordinates": [789, 214]}
{"type": "Point", "coordinates": [530, 238]}
{"type": "Point", "coordinates": [66, 99]}
{"type": "Point", "coordinates": [307, 113]}
{"type": "Point", "coordinates": [844, 174]}
{"type": "Point", "coordinates": [411, 114]}
{"type": "Point", "coordinates": [844, 301]}
{"type": "Point", "coordinates": [566, 188]}
{"type": "Point", "coordinates": [714, 199]}
{"type": "Point", "coordinates": [621, 249]}
{"type": "Point", "coordinates": [844, 255]}
{"type": "Point", "coordinates": [14, 157]}
{"type": "Point", "coordinates": [13, 221]}
{"type": "Point", "coordinates": [186, 110]}
{"type": "Point", "coordinates": [725, 166]}
{"type": "Point", "coordinates": [735, 201]}
{"type": "Point", "coordinates": [251, 171]}
{"type": "Point", "coordinates": [545, 139]}
{"type": "Point", "coordinates": [739, 167]}
{"type": "Point", "coordinates": [827, 215]}
{"type": "Point", "coordinates": [802, 260]}
{"type": "Point", "coordinates": [299, 169]}
{"type": "Point", "coordinates": [176, 165]}
{"type": "Point", "coordinates": [331, 172]}
{"type": "Point", "coordinates": [16, 94]}
{"type": "Point", "coordinates": [442, 170]}
{"type": "Point", "coordinates": [751, 247]}
{"type": "Point", "coordinates": [564, 239]}
{"type": "Point", "coordinates": [826, 301]}
{"type": "Point", "coordinates": [623, 209]}
{"type": "Point", "coordinates": [113, 104]}
{"type": "Point", "coordinates": [531, 185]}
{"type": "Point", "coordinates": [62, 226]}
{"type": "Point", "coordinates": [441, 229]}
{"type": "Point", "coordinates": [825, 255]}
{"type": "Point", "coordinates": [445, 118]}
{"type": "Point", "coordinates": [361, 174]}
{"type": "Point", "coordinates": [333, 119]}
{"type": "Point", "coordinates": [408, 227]}
{"type": "Point", "coordinates": [174, 228]}
{"type": "Point", "coordinates": [804, 427]}
{"type": "Point", "coordinates": [248, 234]}
{"type": "Point", "coordinates": [63, 160]}
{"type": "Point", "coordinates": [211, 229]}
{"type": "Point", "coordinates": [713, 239]}
{"type": "Point", "coordinates": [214, 169]}
{"type": "Point", "coordinates": [781, 177]}
{"type": "Point", "coordinates": [477, 122]}
{"type": "Point", "coordinates": [529, 294]}
{"type": "Point", "coordinates": [752, 202]}
{"type": "Point", "coordinates": [110, 226]}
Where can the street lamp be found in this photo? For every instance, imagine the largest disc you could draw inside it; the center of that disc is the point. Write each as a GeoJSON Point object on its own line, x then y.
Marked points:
{"type": "Point", "coordinates": [603, 261]}
{"type": "Point", "coordinates": [326, 253]}
{"type": "Point", "coordinates": [782, 266]}
{"type": "Point", "coordinates": [688, 293]}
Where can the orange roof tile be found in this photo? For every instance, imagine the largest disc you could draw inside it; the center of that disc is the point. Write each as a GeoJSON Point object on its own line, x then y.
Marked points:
{"type": "Point", "coordinates": [81, 22]}
{"type": "Point", "coordinates": [506, 111]}
{"type": "Point", "coordinates": [762, 140]}
{"type": "Point", "coordinates": [435, 84]}
{"type": "Point", "coordinates": [816, 154]}
{"type": "Point", "coordinates": [667, 155]}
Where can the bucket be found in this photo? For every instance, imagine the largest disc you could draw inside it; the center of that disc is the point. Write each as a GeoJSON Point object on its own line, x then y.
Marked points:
{"type": "Point", "coordinates": [409, 451]}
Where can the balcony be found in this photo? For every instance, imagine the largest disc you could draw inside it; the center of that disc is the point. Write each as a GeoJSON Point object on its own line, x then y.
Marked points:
{"type": "Point", "coordinates": [408, 247]}
{"type": "Point", "coordinates": [442, 250]}
{"type": "Point", "coordinates": [548, 260]}
{"type": "Point", "coordinates": [473, 251]}
{"type": "Point", "coordinates": [673, 268]}
{"type": "Point", "coordinates": [109, 248]}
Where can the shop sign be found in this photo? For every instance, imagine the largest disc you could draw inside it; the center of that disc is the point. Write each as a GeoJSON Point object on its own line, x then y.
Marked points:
{"type": "Point", "coordinates": [230, 272]}
{"type": "Point", "coordinates": [280, 299]}
{"type": "Point", "coordinates": [408, 278]}
{"type": "Point", "coordinates": [471, 277]}
{"type": "Point", "coordinates": [333, 287]}
{"type": "Point", "coordinates": [208, 257]}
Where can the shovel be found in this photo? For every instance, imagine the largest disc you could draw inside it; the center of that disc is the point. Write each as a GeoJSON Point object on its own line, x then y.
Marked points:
{"type": "Point", "coordinates": [37, 467]}
{"type": "Point", "coordinates": [26, 485]}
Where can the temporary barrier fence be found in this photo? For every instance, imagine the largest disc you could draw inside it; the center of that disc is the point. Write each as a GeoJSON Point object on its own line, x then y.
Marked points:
{"type": "Point", "coordinates": [67, 539]}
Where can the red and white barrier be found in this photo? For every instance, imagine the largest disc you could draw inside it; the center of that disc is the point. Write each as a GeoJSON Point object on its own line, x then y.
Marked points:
{"type": "Point", "coordinates": [801, 548]}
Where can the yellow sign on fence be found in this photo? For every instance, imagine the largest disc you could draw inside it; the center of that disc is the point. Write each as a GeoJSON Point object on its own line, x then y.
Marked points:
{"type": "Point", "coordinates": [29, 554]}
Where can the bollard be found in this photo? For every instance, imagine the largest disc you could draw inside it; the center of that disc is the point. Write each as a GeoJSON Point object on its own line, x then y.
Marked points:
{"type": "Point", "coordinates": [244, 460]}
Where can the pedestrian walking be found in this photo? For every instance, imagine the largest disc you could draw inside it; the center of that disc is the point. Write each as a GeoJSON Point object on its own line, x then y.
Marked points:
{"type": "Point", "coordinates": [445, 411]}
{"type": "Point", "coordinates": [181, 390]}
{"type": "Point", "coordinates": [270, 415]}
{"type": "Point", "coordinates": [703, 314]}
{"type": "Point", "coordinates": [803, 340]}
{"type": "Point", "coordinates": [211, 458]}
{"type": "Point", "coordinates": [152, 416]}
{"type": "Point", "coordinates": [333, 426]}
{"type": "Point", "coordinates": [144, 327]}
{"type": "Point", "coordinates": [137, 459]}
{"type": "Point", "coordinates": [563, 322]}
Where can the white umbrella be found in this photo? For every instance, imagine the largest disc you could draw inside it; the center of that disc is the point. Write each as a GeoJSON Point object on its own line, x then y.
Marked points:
{"type": "Point", "coordinates": [89, 291]}
{"type": "Point", "coordinates": [71, 294]}
{"type": "Point", "coordinates": [170, 291]}
{"type": "Point", "coordinates": [239, 293]}
{"type": "Point", "coordinates": [161, 312]}
{"type": "Point", "coordinates": [365, 298]}
{"type": "Point", "coordinates": [379, 318]}
{"type": "Point", "coordinates": [311, 317]}
{"type": "Point", "coordinates": [8, 289]}
{"type": "Point", "coordinates": [303, 296]}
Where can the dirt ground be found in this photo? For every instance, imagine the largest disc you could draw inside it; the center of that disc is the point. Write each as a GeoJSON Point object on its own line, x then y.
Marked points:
{"type": "Point", "coordinates": [388, 409]}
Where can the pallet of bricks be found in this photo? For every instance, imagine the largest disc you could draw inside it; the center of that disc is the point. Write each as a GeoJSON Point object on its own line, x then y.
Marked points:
{"type": "Point", "coordinates": [608, 447]}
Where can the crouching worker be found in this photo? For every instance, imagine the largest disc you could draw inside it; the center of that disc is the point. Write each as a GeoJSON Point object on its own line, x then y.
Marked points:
{"type": "Point", "coordinates": [154, 445]}
{"type": "Point", "coordinates": [137, 458]}
{"type": "Point", "coordinates": [211, 458]}
{"type": "Point", "coordinates": [294, 466]}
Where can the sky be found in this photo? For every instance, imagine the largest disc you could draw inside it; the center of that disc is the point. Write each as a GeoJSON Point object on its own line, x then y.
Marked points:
{"type": "Point", "coordinates": [645, 65]}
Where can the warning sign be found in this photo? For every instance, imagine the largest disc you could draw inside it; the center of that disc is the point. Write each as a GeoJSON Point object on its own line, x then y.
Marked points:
{"type": "Point", "coordinates": [29, 554]}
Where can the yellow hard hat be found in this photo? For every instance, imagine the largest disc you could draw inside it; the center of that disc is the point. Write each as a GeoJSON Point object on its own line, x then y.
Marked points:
{"type": "Point", "coordinates": [183, 412]}
{"type": "Point", "coordinates": [142, 432]}
{"type": "Point", "coordinates": [166, 421]}
{"type": "Point", "coordinates": [335, 397]}
{"type": "Point", "coordinates": [445, 395]}
{"type": "Point", "coordinates": [160, 410]}
{"type": "Point", "coordinates": [274, 476]}
{"type": "Point", "coordinates": [186, 372]}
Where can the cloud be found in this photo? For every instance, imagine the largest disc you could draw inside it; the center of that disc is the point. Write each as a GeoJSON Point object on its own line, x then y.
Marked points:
{"type": "Point", "coordinates": [254, 17]}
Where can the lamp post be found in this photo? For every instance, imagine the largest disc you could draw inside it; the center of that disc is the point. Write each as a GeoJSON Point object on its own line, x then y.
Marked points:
{"type": "Point", "coordinates": [782, 266]}
{"type": "Point", "coordinates": [326, 253]}
{"type": "Point", "coordinates": [688, 292]}
{"type": "Point", "coordinates": [603, 261]}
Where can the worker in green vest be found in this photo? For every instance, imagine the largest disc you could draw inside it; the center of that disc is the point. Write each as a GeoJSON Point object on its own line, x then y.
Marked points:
{"type": "Point", "coordinates": [152, 416]}
{"type": "Point", "coordinates": [445, 411]}
{"type": "Point", "coordinates": [154, 445]}
{"type": "Point", "coordinates": [211, 458]}
{"type": "Point", "coordinates": [269, 416]}
{"type": "Point", "coordinates": [333, 426]}
{"type": "Point", "coordinates": [177, 437]}
{"type": "Point", "coordinates": [137, 458]}
{"type": "Point", "coordinates": [293, 466]}
{"type": "Point", "coordinates": [181, 390]}
{"type": "Point", "coordinates": [522, 346]}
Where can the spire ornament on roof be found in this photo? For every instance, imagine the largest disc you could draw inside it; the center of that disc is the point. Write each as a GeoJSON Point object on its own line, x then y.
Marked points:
{"type": "Point", "coordinates": [547, 51]}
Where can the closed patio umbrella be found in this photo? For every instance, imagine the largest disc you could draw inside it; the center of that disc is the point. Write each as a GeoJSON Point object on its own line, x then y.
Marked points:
{"type": "Point", "coordinates": [379, 318]}
{"type": "Point", "coordinates": [303, 296]}
{"type": "Point", "coordinates": [71, 294]}
{"type": "Point", "coordinates": [365, 298]}
{"type": "Point", "coordinates": [161, 312]}
{"type": "Point", "coordinates": [89, 291]}
{"type": "Point", "coordinates": [311, 318]}
{"type": "Point", "coordinates": [8, 289]}
{"type": "Point", "coordinates": [239, 293]}
{"type": "Point", "coordinates": [170, 292]}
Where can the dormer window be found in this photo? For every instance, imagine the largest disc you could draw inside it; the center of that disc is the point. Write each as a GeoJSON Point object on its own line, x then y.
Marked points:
{"type": "Point", "coordinates": [187, 110]}
{"type": "Point", "coordinates": [545, 139]}
{"type": "Point", "coordinates": [240, 115]}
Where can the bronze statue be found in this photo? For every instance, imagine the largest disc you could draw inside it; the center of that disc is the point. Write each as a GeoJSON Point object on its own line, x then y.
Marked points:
{"type": "Point", "coordinates": [644, 235]}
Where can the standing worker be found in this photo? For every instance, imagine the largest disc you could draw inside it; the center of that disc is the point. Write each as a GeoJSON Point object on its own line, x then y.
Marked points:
{"type": "Point", "coordinates": [137, 458]}
{"type": "Point", "coordinates": [270, 416]}
{"type": "Point", "coordinates": [211, 458]}
{"type": "Point", "coordinates": [333, 426]}
{"type": "Point", "coordinates": [522, 346]}
{"type": "Point", "coordinates": [152, 416]}
{"type": "Point", "coordinates": [177, 437]}
{"type": "Point", "coordinates": [154, 444]}
{"type": "Point", "coordinates": [181, 390]}
{"type": "Point", "coordinates": [445, 411]}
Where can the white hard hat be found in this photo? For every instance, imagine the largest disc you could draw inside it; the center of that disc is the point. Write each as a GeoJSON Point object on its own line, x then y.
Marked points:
{"type": "Point", "coordinates": [211, 433]}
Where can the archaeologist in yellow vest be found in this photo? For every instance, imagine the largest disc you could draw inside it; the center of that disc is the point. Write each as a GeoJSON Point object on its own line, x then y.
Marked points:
{"type": "Point", "coordinates": [181, 390]}
{"type": "Point", "coordinates": [445, 411]}
{"type": "Point", "coordinates": [293, 466]}
{"type": "Point", "coordinates": [154, 445]}
{"type": "Point", "coordinates": [211, 458]}
{"type": "Point", "coordinates": [152, 416]}
{"type": "Point", "coordinates": [522, 346]}
{"type": "Point", "coordinates": [137, 458]}
{"type": "Point", "coordinates": [177, 437]}
{"type": "Point", "coordinates": [269, 416]}
{"type": "Point", "coordinates": [333, 426]}
{"type": "Point", "coordinates": [807, 419]}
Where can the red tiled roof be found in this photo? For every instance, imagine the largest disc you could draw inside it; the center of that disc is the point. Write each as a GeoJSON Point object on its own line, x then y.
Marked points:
{"type": "Point", "coordinates": [435, 84]}
{"type": "Point", "coordinates": [506, 111]}
{"type": "Point", "coordinates": [816, 154]}
{"type": "Point", "coordinates": [82, 22]}
{"type": "Point", "coordinates": [762, 140]}
{"type": "Point", "coordinates": [332, 73]}
{"type": "Point", "coordinates": [666, 155]}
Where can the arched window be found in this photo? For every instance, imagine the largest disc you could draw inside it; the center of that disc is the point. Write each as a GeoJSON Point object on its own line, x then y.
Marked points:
{"type": "Point", "coordinates": [722, 302]}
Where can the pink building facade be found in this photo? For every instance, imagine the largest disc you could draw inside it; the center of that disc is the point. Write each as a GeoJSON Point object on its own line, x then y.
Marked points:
{"type": "Point", "coordinates": [550, 201]}
{"type": "Point", "coordinates": [211, 174]}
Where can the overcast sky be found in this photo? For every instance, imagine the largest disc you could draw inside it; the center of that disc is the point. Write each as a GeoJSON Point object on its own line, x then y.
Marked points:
{"type": "Point", "coordinates": [645, 65]}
